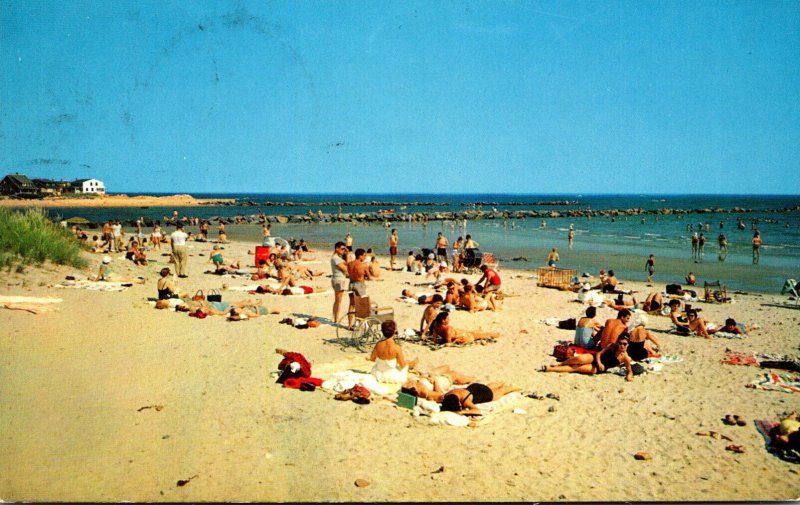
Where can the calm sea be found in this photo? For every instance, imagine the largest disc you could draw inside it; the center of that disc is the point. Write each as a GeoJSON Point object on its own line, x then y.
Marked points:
{"type": "Point", "coordinates": [621, 243]}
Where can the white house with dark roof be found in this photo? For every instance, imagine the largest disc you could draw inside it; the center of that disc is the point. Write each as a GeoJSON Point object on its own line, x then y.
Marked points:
{"type": "Point", "coordinates": [89, 186]}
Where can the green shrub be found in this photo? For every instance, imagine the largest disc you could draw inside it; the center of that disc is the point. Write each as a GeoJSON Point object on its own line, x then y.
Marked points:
{"type": "Point", "coordinates": [30, 238]}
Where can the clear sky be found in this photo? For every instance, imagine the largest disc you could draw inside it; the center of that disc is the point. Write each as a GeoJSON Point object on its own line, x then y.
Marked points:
{"type": "Point", "coordinates": [401, 97]}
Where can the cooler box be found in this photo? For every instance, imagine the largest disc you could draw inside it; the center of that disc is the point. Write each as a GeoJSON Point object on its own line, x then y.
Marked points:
{"type": "Point", "coordinates": [262, 253]}
{"type": "Point", "coordinates": [406, 400]}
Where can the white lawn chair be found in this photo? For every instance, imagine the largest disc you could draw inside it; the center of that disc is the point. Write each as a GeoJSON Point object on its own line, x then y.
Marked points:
{"type": "Point", "coordinates": [791, 287]}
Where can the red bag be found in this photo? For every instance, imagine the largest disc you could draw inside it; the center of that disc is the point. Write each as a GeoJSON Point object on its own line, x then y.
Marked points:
{"type": "Point", "coordinates": [563, 352]}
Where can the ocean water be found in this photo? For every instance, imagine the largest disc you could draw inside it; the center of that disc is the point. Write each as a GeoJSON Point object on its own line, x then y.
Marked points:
{"type": "Point", "coordinates": [622, 243]}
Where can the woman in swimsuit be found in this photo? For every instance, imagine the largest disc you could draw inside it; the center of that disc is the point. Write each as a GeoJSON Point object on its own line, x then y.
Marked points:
{"type": "Point", "coordinates": [166, 286]}
{"type": "Point", "coordinates": [435, 384]}
{"type": "Point", "coordinates": [637, 349]}
{"type": "Point", "coordinates": [614, 355]}
{"type": "Point", "coordinates": [445, 334]}
{"type": "Point", "coordinates": [390, 365]}
{"type": "Point", "coordinates": [699, 325]}
{"type": "Point", "coordinates": [466, 400]}
{"type": "Point", "coordinates": [587, 329]}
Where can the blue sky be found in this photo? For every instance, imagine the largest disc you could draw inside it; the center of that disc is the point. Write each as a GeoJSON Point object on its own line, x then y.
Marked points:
{"type": "Point", "coordinates": [373, 96]}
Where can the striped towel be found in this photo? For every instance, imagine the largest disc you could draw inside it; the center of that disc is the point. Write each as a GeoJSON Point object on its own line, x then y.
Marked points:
{"type": "Point", "coordinates": [777, 382]}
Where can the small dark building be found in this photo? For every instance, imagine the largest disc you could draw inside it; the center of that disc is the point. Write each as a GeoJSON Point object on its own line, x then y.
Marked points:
{"type": "Point", "coordinates": [19, 185]}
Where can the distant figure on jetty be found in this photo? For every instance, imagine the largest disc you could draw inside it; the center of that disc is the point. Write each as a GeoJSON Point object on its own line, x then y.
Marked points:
{"type": "Point", "coordinates": [553, 258]}
{"type": "Point", "coordinates": [650, 267]}
{"type": "Point", "coordinates": [756, 247]}
{"type": "Point", "coordinates": [392, 248]}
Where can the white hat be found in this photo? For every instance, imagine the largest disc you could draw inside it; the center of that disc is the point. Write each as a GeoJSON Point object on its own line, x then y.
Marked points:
{"type": "Point", "coordinates": [431, 256]}
{"type": "Point", "coordinates": [443, 264]}
{"type": "Point", "coordinates": [106, 259]}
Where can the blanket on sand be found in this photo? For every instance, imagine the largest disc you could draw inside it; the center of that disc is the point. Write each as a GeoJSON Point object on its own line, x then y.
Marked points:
{"type": "Point", "coordinates": [777, 382]}
{"type": "Point", "coordinates": [95, 285]}
{"type": "Point", "coordinates": [764, 426]}
{"type": "Point", "coordinates": [438, 417]}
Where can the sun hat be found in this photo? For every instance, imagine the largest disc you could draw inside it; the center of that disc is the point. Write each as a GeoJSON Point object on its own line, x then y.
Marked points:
{"type": "Point", "coordinates": [106, 259]}
{"type": "Point", "coordinates": [431, 256]}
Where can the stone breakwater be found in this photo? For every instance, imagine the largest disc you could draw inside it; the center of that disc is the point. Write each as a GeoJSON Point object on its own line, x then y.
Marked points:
{"type": "Point", "coordinates": [469, 215]}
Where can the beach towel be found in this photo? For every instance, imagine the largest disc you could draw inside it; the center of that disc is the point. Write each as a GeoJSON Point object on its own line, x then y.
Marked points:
{"type": "Point", "coordinates": [777, 382]}
{"type": "Point", "coordinates": [764, 426]}
{"type": "Point", "coordinates": [739, 358]}
{"type": "Point", "coordinates": [666, 359]}
{"type": "Point", "coordinates": [430, 344]}
{"type": "Point", "coordinates": [447, 418]}
{"type": "Point", "coordinates": [725, 334]}
{"type": "Point", "coordinates": [782, 361]}
{"type": "Point", "coordinates": [344, 380]}
{"type": "Point", "coordinates": [95, 285]}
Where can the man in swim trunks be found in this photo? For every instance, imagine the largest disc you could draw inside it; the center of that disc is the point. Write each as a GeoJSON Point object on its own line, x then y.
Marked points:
{"type": "Point", "coordinates": [392, 248]}
{"type": "Point", "coordinates": [441, 247]}
{"type": "Point", "coordinates": [358, 272]}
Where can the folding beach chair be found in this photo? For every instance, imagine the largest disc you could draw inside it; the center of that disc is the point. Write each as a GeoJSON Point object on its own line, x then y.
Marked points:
{"type": "Point", "coordinates": [490, 260]}
{"type": "Point", "coordinates": [792, 287]}
{"type": "Point", "coordinates": [715, 292]}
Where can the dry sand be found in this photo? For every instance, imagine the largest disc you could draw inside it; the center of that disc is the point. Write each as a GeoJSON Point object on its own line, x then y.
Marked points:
{"type": "Point", "coordinates": [74, 383]}
{"type": "Point", "coordinates": [115, 201]}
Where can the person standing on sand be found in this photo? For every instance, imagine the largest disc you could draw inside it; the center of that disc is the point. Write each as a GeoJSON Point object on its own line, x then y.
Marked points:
{"type": "Point", "coordinates": [650, 267]}
{"type": "Point", "coordinates": [116, 232]}
{"type": "Point", "coordinates": [358, 272]}
{"type": "Point", "coordinates": [338, 277]}
{"type": "Point", "coordinates": [392, 248]}
{"type": "Point", "coordinates": [441, 247]}
{"type": "Point", "coordinates": [701, 245]}
{"type": "Point", "coordinates": [177, 241]}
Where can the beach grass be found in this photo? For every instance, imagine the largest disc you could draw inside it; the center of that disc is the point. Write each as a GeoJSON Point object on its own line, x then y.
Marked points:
{"type": "Point", "coordinates": [29, 237]}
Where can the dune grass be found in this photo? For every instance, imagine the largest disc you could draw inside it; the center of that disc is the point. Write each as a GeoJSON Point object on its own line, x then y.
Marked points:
{"type": "Point", "coordinates": [30, 238]}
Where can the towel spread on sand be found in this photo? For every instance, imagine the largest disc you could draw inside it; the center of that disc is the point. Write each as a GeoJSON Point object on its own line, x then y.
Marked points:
{"type": "Point", "coordinates": [777, 382]}
{"type": "Point", "coordinates": [454, 419]}
{"type": "Point", "coordinates": [740, 358]}
{"type": "Point", "coordinates": [342, 381]}
{"type": "Point", "coordinates": [764, 360]}
{"type": "Point", "coordinates": [764, 426]}
{"type": "Point", "coordinates": [95, 285]}
{"type": "Point", "coordinates": [430, 344]}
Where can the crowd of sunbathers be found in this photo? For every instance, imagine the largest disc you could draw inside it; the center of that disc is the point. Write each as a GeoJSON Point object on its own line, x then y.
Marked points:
{"type": "Point", "coordinates": [438, 384]}
{"type": "Point", "coordinates": [620, 341]}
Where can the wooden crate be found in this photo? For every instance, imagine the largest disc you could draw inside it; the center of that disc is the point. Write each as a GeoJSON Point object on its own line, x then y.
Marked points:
{"type": "Point", "coordinates": [553, 277]}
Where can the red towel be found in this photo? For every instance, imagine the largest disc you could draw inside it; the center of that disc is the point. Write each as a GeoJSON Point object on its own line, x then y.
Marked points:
{"type": "Point", "coordinates": [294, 382]}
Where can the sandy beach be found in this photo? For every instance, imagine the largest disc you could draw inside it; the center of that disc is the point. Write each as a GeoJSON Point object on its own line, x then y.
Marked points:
{"type": "Point", "coordinates": [105, 398]}
{"type": "Point", "coordinates": [114, 201]}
